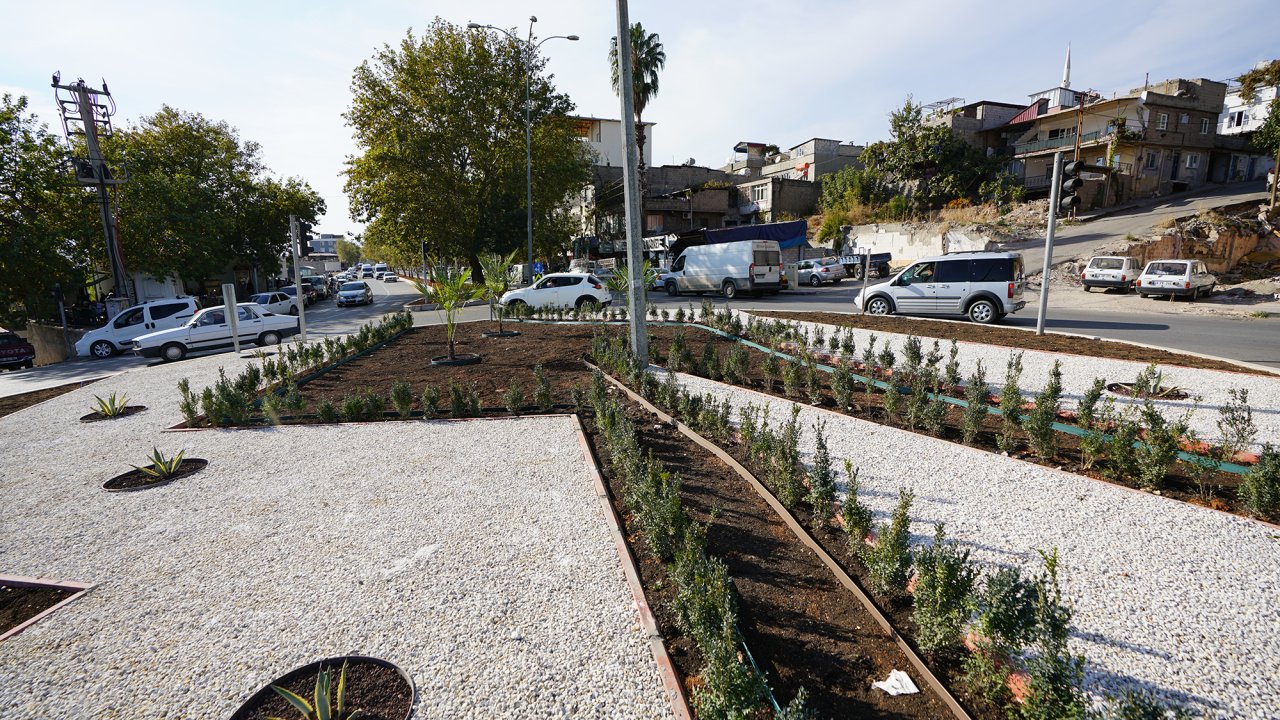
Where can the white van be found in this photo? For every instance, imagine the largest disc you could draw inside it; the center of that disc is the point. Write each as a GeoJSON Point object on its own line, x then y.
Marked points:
{"type": "Point", "coordinates": [986, 286]}
{"type": "Point", "coordinates": [118, 334]}
{"type": "Point", "coordinates": [753, 266]}
{"type": "Point", "coordinates": [380, 268]}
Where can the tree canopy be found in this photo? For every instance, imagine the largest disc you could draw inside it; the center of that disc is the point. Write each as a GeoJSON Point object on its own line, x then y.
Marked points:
{"type": "Point", "coordinates": [348, 252]}
{"type": "Point", "coordinates": [1267, 138]}
{"type": "Point", "coordinates": [647, 58]}
{"type": "Point", "coordinates": [440, 125]}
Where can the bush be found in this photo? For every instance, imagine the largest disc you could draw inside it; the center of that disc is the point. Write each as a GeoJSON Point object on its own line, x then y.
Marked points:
{"type": "Point", "coordinates": [822, 485]}
{"type": "Point", "coordinates": [457, 400]}
{"type": "Point", "coordinates": [188, 404]}
{"type": "Point", "coordinates": [1087, 410]}
{"type": "Point", "coordinates": [857, 517]}
{"type": "Point", "coordinates": [1260, 489]}
{"type": "Point", "coordinates": [769, 368]}
{"type": "Point", "coordinates": [842, 386]}
{"type": "Point", "coordinates": [1235, 422]}
{"type": "Point", "coordinates": [402, 398]}
{"type": "Point", "coordinates": [790, 378]}
{"type": "Point", "coordinates": [975, 395]}
{"type": "Point", "coordinates": [655, 499]}
{"type": "Point", "coordinates": [1138, 705]}
{"type": "Point", "coordinates": [1039, 422]}
{"type": "Point", "coordinates": [514, 398]}
{"type": "Point", "coordinates": [1056, 674]}
{"type": "Point", "coordinates": [1004, 622]}
{"type": "Point", "coordinates": [943, 596]}
{"type": "Point", "coordinates": [1159, 449]}
{"type": "Point", "coordinates": [541, 390]}
{"type": "Point", "coordinates": [326, 411]}
{"type": "Point", "coordinates": [889, 559]}
{"type": "Point", "coordinates": [430, 401]}
{"type": "Point", "coordinates": [353, 408]}
{"type": "Point", "coordinates": [375, 405]}
{"type": "Point", "coordinates": [1010, 405]}
{"type": "Point", "coordinates": [1122, 459]}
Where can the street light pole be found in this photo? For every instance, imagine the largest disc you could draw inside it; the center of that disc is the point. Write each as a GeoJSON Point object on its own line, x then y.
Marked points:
{"type": "Point", "coordinates": [631, 187]}
{"type": "Point", "coordinates": [529, 48]}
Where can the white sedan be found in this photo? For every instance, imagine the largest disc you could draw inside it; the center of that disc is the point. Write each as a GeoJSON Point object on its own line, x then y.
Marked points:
{"type": "Point", "coordinates": [570, 289]}
{"type": "Point", "coordinates": [276, 302]}
{"type": "Point", "coordinates": [209, 330]}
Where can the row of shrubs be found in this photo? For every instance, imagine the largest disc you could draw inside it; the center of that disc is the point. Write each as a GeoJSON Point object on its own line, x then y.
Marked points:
{"type": "Point", "coordinates": [1014, 628]}
{"type": "Point", "coordinates": [705, 603]}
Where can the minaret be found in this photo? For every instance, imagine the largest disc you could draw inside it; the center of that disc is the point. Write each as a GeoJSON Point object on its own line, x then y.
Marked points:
{"type": "Point", "coordinates": [1066, 69]}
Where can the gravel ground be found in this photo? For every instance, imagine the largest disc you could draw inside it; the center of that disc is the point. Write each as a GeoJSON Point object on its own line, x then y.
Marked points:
{"type": "Point", "coordinates": [1078, 373]}
{"type": "Point", "coordinates": [1168, 596]}
{"type": "Point", "coordinates": [474, 555]}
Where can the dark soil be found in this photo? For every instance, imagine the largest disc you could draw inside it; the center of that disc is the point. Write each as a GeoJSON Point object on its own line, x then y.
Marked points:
{"type": "Point", "coordinates": [1009, 337]}
{"type": "Point", "coordinates": [1165, 393]}
{"type": "Point", "coordinates": [138, 480]}
{"type": "Point", "coordinates": [20, 603]}
{"type": "Point", "coordinates": [376, 691]}
{"type": "Point", "coordinates": [96, 416]}
{"type": "Point", "coordinates": [14, 403]}
{"type": "Point", "coordinates": [803, 627]}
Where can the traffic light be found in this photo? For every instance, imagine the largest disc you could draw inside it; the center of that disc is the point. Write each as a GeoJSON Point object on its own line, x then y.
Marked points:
{"type": "Point", "coordinates": [304, 238]}
{"type": "Point", "coordinates": [1071, 182]}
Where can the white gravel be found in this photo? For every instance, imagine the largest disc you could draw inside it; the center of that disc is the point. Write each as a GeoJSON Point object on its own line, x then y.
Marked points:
{"type": "Point", "coordinates": [474, 555]}
{"type": "Point", "coordinates": [1167, 596]}
{"type": "Point", "coordinates": [1078, 373]}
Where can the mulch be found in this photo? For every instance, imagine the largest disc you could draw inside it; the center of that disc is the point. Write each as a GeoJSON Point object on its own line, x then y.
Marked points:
{"type": "Point", "coordinates": [376, 691]}
{"type": "Point", "coordinates": [13, 403]}
{"type": "Point", "coordinates": [138, 480]}
{"type": "Point", "coordinates": [20, 603]}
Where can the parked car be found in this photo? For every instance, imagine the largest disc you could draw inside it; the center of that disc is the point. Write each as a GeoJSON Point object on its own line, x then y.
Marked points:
{"type": "Point", "coordinates": [15, 352]}
{"type": "Point", "coordinates": [753, 266]}
{"type": "Point", "coordinates": [986, 286]}
{"type": "Point", "coordinates": [357, 292]}
{"type": "Point", "coordinates": [277, 302]}
{"type": "Point", "coordinates": [566, 289]}
{"type": "Point", "coordinates": [317, 283]}
{"type": "Point", "coordinates": [821, 270]}
{"type": "Point", "coordinates": [1176, 278]}
{"type": "Point", "coordinates": [119, 332]}
{"type": "Point", "coordinates": [209, 330]}
{"type": "Point", "coordinates": [292, 291]}
{"type": "Point", "coordinates": [854, 265]}
{"type": "Point", "coordinates": [390, 277]}
{"type": "Point", "coordinates": [660, 278]}
{"type": "Point", "coordinates": [1110, 271]}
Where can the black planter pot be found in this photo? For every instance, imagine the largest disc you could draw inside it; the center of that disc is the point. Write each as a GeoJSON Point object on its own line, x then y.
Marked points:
{"type": "Point", "coordinates": [124, 482]}
{"type": "Point", "coordinates": [458, 359]}
{"type": "Point", "coordinates": [248, 709]}
{"type": "Point", "coordinates": [500, 334]}
{"type": "Point", "coordinates": [96, 416]}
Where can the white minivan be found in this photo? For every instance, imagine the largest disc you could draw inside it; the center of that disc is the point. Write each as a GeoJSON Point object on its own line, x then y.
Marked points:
{"type": "Point", "coordinates": [753, 266]}
{"type": "Point", "coordinates": [119, 332]}
{"type": "Point", "coordinates": [986, 286]}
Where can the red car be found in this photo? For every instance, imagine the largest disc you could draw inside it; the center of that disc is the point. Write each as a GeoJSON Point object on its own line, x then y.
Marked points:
{"type": "Point", "coordinates": [15, 352]}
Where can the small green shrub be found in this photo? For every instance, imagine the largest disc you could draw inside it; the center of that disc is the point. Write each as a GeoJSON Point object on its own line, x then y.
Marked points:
{"type": "Point", "coordinates": [473, 401]}
{"type": "Point", "coordinates": [541, 389]}
{"type": "Point", "coordinates": [402, 398]}
{"type": "Point", "coordinates": [1122, 458]}
{"type": "Point", "coordinates": [1004, 621]}
{"type": "Point", "coordinates": [769, 368]}
{"type": "Point", "coordinates": [293, 400]}
{"type": "Point", "coordinates": [1010, 405]}
{"type": "Point", "coordinates": [975, 411]}
{"type": "Point", "coordinates": [353, 408]}
{"type": "Point", "coordinates": [857, 516]}
{"type": "Point", "coordinates": [889, 559]}
{"type": "Point", "coordinates": [790, 379]}
{"type": "Point", "coordinates": [842, 386]}
{"type": "Point", "coordinates": [1260, 488]}
{"type": "Point", "coordinates": [822, 484]}
{"type": "Point", "coordinates": [1159, 448]}
{"type": "Point", "coordinates": [1235, 422]}
{"type": "Point", "coordinates": [188, 404]}
{"type": "Point", "coordinates": [1087, 409]}
{"type": "Point", "coordinates": [1138, 705]}
{"type": "Point", "coordinates": [1039, 422]}
{"type": "Point", "coordinates": [1056, 675]}
{"type": "Point", "coordinates": [457, 400]}
{"type": "Point", "coordinates": [270, 407]}
{"type": "Point", "coordinates": [513, 400]}
{"type": "Point", "coordinates": [943, 596]}
{"type": "Point", "coordinates": [951, 375]}
{"type": "Point", "coordinates": [375, 405]}
{"type": "Point", "coordinates": [326, 411]}
{"type": "Point", "coordinates": [430, 401]}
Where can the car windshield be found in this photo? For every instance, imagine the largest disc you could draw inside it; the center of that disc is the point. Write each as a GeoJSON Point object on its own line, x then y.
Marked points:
{"type": "Point", "coordinates": [289, 290]}
{"type": "Point", "coordinates": [11, 340]}
{"type": "Point", "coordinates": [1107, 264]}
{"type": "Point", "coordinates": [1167, 268]}
{"type": "Point", "coordinates": [260, 299]}
{"type": "Point", "coordinates": [348, 287]}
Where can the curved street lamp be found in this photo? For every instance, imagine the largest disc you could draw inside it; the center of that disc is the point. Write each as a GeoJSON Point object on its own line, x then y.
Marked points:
{"type": "Point", "coordinates": [530, 48]}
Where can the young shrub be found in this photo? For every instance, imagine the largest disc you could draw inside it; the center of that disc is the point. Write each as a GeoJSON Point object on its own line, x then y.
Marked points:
{"type": "Point", "coordinates": [975, 395]}
{"type": "Point", "coordinates": [1235, 422]}
{"type": "Point", "coordinates": [842, 387]}
{"type": "Point", "coordinates": [375, 405]}
{"type": "Point", "coordinates": [1087, 409]}
{"type": "Point", "coordinates": [729, 689]}
{"type": "Point", "coordinates": [430, 401]}
{"type": "Point", "coordinates": [710, 365]}
{"type": "Point", "coordinates": [812, 380]}
{"type": "Point", "coordinates": [790, 378]}
{"type": "Point", "coordinates": [935, 411]}
{"type": "Point", "coordinates": [1010, 405]}
{"type": "Point", "coordinates": [869, 365]}
{"type": "Point", "coordinates": [541, 389]}
{"type": "Point", "coordinates": [1039, 422]}
{"type": "Point", "coordinates": [1260, 488]}
{"type": "Point", "coordinates": [1004, 621]}
{"type": "Point", "coordinates": [188, 405]}
{"type": "Point", "coordinates": [918, 399]}
{"type": "Point", "coordinates": [912, 356]}
{"type": "Point", "coordinates": [706, 311]}
{"type": "Point", "coordinates": [943, 595]}
{"type": "Point", "coordinates": [833, 341]}
{"type": "Point", "coordinates": [513, 400]}
{"type": "Point", "coordinates": [857, 517]}
{"type": "Point", "coordinates": [1138, 705]}
{"type": "Point", "coordinates": [819, 337]}
{"type": "Point", "coordinates": [889, 559]}
{"type": "Point", "coordinates": [886, 358]}
{"type": "Point", "coordinates": [1056, 674]}
{"type": "Point", "coordinates": [783, 461]}
{"type": "Point", "coordinates": [457, 400]}
{"type": "Point", "coordinates": [293, 400]}
{"type": "Point", "coordinates": [402, 398]}
{"type": "Point", "coordinates": [579, 397]}
{"type": "Point", "coordinates": [353, 408]}
{"type": "Point", "coordinates": [1094, 441]}
{"type": "Point", "coordinates": [892, 401]}
{"type": "Point", "coordinates": [270, 407]}
{"type": "Point", "coordinates": [1159, 448]}
{"type": "Point", "coordinates": [769, 368]}
{"type": "Point", "coordinates": [656, 502]}
{"type": "Point", "coordinates": [848, 346]}
{"type": "Point", "coordinates": [798, 708]}
{"type": "Point", "coordinates": [737, 364]}
{"type": "Point", "coordinates": [951, 375]}
{"type": "Point", "coordinates": [1122, 458]}
{"type": "Point", "coordinates": [326, 411]}
{"type": "Point", "coordinates": [822, 484]}
{"type": "Point", "coordinates": [473, 401]}
{"type": "Point", "coordinates": [677, 354]}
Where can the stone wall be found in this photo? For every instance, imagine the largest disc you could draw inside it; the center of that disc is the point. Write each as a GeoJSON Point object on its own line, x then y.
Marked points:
{"type": "Point", "coordinates": [1220, 252]}
{"type": "Point", "coordinates": [47, 340]}
{"type": "Point", "coordinates": [908, 243]}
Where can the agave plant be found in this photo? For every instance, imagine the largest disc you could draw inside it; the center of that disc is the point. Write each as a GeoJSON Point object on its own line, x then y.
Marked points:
{"type": "Point", "coordinates": [324, 707]}
{"type": "Point", "coordinates": [111, 407]}
{"type": "Point", "coordinates": [451, 290]}
{"type": "Point", "coordinates": [497, 280]}
{"type": "Point", "coordinates": [161, 468]}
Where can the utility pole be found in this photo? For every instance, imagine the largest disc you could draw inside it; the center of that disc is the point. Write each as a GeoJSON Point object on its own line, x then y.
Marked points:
{"type": "Point", "coordinates": [1054, 191]}
{"type": "Point", "coordinates": [295, 235]}
{"type": "Point", "coordinates": [631, 181]}
{"type": "Point", "coordinates": [1275, 179]}
{"type": "Point", "coordinates": [92, 109]}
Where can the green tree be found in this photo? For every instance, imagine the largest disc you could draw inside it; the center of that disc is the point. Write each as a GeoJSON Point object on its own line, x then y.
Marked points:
{"type": "Point", "coordinates": [439, 121]}
{"type": "Point", "coordinates": [47, 225]}
{"type": "Point", "coordinates": [647, 58]}
{"type": "Point", "coordinates": [348, 252]}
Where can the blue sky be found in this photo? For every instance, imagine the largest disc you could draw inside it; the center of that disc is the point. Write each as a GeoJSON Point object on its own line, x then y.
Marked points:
{"type": "Point", "coordinates": [774, 72]}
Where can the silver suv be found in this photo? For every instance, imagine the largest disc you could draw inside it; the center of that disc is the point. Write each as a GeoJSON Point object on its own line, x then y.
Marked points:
{"type": "Point", "coordinates": [986, 286]}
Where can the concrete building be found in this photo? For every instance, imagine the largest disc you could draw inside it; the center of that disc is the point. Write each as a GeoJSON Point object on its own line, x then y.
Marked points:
{"type": "Point", "coordinates": [750, 164]}
{"type": "Point", "coordinates": [604, 137]}
{"type": "Point", "coordinates": [773, 199]}
{"type": "Point", "coordinates": [811, 159]}
{"type": "Point", "coordinates": [325, 244]}
{"type": "Point", "coordinates": [1235, 159]}
{"type": "Point", "coordinates": [973, 122]}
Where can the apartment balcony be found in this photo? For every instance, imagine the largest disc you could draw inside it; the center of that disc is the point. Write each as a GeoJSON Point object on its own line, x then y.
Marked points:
{"type": "Point", "coordinates": [1069, 141]}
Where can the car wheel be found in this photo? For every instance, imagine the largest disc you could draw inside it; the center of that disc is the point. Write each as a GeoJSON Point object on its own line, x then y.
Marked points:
{"type": "Point", "coordinates": [1085, 288]}
{"type": "Point", "coordinates": [29, 364]}
{"type": "Point", "coordinates": [983, 311]}
{"type": "Point", "coordinates": [173, 351]}
{"type": "Point", "coordinates": [1195, 295]}
{"type": "Point", "coordinates": [857, 272]}
{"type": "Point", "coordinates": [269, 338]}
{"type": "Point", "coordinates": [102, 349]}
{"type": "Point", "coordinates": [815, 281]}
{"type": "Point", "coordinates": [729, 289]}
{"type": "Point", "coordinates": [672, 290]}
{"type": "Point", "coordinates": [1143, 295]}
{"type": "Point", "coordinates": [879, 306]}
{"type": "Point", "coordinates": [587, 302]}
{"type": "Point", "coordinates": [293, 310]}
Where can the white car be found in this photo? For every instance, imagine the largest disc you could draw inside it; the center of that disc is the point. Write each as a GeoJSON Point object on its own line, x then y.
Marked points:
{"type": "Point", "coordinates": [118, 334]}
{"type": "Point", "coordinates": [570, 289]}
{"type": "Point", "coordinates": [390, 277]}
{"type": "Point", "coordinates": [209, 330]}
{"type": "Point", "coordinates": [276, 302]}
{"type": "Point", "coordinates": [1187, 278]}
{"type": "Point", "coordinates": [1110, 271]}
{"type": "Point", "coordinates": [659, 278]}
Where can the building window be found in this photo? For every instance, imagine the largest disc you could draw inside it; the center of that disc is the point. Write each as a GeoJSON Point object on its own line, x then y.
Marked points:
{"type": "Point", "coordinates": [759, 193]}
{"type": "Point", "coordinates": [1183, 119]}
{"type": "Point", "coordinates": [1204, 126]}
{"type": "Point", "coordinates": [1193, 161]}
{"type": "Point", "coordinates": [1058, 133]}
{"type": "Point", "coordinates": [1235, 119]}
{"type": "Point", "coordinates": [1153, 160]}
{"type": "Point", "coordinates": [1162, 121]}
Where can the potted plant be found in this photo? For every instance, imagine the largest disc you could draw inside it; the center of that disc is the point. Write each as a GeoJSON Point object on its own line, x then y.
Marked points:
{"type": "Point", "coordinates": [450, 290]}
{"type": "Point", "coordinates": [497, 280]}
{"type": "Point", "coordinates": [341, 688]}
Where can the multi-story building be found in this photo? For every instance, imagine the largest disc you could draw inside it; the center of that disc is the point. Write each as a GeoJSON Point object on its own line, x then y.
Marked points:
{"type": "Point", "coordinates": [973, 122]}
{"type": "Point", "coordinates": [604, 138]}
{"type": "Point", "coordinates": [1235, 159]}
{"type": "Point", "coordinates": [811, 159]}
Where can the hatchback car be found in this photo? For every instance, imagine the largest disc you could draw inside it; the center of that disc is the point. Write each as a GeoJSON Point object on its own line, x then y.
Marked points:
{"type": "Point", "coordinates": [209, 330]}
{"type": "Point", "coordinates": [1110, 271]}
{"type": "Point", "coordinates": [985, 286]}
{"type": "Point", "coordinates": [276, 302]}
{"type": "Point", "coordinates": [355, 293]}
{"type": "Point", "coordinates": [1176, 278]}
{"type": "Point", "coordinates": [821, 270]}
{"type": "Point", "coordinates": [560, 290]}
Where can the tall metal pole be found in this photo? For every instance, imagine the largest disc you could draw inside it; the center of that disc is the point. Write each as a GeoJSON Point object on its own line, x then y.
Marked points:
{"type": "Point", "coordinates": [631, 183]}
{"type": "Point", "coordinates": [1054, 190]}
{"type": "Point", "coordinates": [1275, 181]}
{"type": "Point", "coordinates": [528, 157]}
{"type": "Point", "coordinates": [118, 275]}
{"type": "Point", "coordinates": [295, 234]}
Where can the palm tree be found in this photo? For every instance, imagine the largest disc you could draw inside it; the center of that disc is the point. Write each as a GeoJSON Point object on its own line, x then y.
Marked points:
{"type": "Point", "coordinates": [647, 58]}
